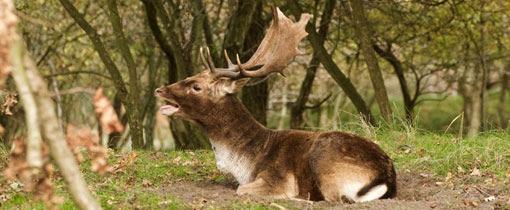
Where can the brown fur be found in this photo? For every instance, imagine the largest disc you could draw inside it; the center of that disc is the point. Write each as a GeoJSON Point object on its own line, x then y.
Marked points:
{"type": "Point", "coordinates": [281, 163]}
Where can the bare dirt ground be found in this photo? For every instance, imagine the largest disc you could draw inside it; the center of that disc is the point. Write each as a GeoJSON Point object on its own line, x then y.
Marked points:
{"type": "Point", "coordinates": [415, 191]}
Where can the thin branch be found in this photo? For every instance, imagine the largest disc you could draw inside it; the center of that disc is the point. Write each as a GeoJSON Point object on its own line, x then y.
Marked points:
{"type": "Point", "coordinates": [98, 46]}
{"type": "Point", "coordinates": [317, 105]}
{"type": "Point", "coordinates": [78, 72]}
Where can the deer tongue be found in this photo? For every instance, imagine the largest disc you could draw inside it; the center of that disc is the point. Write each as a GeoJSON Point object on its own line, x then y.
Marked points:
{"type": "Point", "coordinates": [168, 109]}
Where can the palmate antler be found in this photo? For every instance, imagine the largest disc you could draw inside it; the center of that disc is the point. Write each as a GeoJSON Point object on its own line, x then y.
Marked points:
{"type": "Point", "coordinates": [277, 49]}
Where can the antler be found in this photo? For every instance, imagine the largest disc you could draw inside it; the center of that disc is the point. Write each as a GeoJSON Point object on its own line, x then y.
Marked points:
{"type": "Point", "coordinates": [277, 49]}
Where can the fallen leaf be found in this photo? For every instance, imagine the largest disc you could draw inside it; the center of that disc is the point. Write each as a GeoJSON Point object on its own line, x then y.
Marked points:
{"type": "Point", "coordinates": [10, 100]}
{"type": "Point", "coordinates": [460, 169]}
{"type": "Point", "coordinates": [472, 203]}
{"type": "Point", "coordinates": [475, 172]}
{"type": "Point", "coordinates": [449, 176]}
{"type": "Point", "coordinates": [124, 162]}
{"type": "Point", "coordinates": [146, 183]}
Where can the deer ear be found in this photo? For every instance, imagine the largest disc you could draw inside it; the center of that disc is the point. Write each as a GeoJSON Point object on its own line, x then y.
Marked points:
{"type": "Point", "coordinates": [229, 86]}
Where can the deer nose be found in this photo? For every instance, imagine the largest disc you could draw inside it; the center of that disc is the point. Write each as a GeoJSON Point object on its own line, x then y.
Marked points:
{"type": "Point", "coordinates": [160, 90]}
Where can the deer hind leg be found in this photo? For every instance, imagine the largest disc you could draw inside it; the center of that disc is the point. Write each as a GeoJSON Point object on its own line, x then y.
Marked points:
{"type": "Point", "coordinates": [277, 188]}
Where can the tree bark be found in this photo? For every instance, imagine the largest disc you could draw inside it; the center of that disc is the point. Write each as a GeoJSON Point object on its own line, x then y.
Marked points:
{"type": "Point", "coordinates": [502, 110]}
{"type": "Point", "coordinates": [298, 107]}
{"type": "Point", "coordinates": [409, 103]}
{"type": "Point", "coordinates": [334, 71]}
{"type": "Point", "coordinates": [362, 29]}
{"type": "Point", "coordinates": [55, 137]}
{"type": "Point", "coordinates": [34, 139]}
{"type": "Point", "coordinates": [186, 135]}
{"type": "Point", "coordinates": [134, 113]}
{"type": "Point", "coordinates": [244, 33]}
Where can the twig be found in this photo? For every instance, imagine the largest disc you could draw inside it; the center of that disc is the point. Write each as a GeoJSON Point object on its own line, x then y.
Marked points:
{"type": "Point", "coordinates": [74, 91]}
{"type": "Point", "coordinates": [278, 206]}
{"type": "Point", "coordinates": [319, 103]}
{"type": "Point", "coordinates": [77, 72]}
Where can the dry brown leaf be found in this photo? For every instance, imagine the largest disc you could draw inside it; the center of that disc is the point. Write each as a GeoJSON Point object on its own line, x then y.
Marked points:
{"type": "Point", "coordinates": [472, 203]}
{"type": "Point", "coordinates": [36, 180]}
{"type": "Point", "coordinates": [476, 172]}
{"type": "Point", "coordinates": [125, 161]}
{"type": "Point", "coordinates": [2, 130]}
{"type": "Point", "coordinates": [107, 117]}
{"type": "Point", "coordinates": [84, 137]}
{"type": "Point", "coordinates": [10, 101]}
{"type": "Point", "coordinates": [146, 183]}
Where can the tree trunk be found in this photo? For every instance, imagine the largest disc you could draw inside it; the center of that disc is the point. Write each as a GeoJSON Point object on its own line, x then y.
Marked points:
{"type": "Point", "coordinates": [363, 31]}
{"type": "Point", "coordinates": [298, 107]}
{"type": "Point", "coordinates": [186, 135]}
{"type": "Point", "coordinates": [409, 103]}
{"type": "Point", "coordinates": [502, 110]}
{"type": "Point", "coordinates": [334, 71]}
{"type": "Point", "coordinates": [471, 89]}
{"type": "Point", "coordinates": [477, 90]}
{"type": "Point", "coordinates": [244, 33]}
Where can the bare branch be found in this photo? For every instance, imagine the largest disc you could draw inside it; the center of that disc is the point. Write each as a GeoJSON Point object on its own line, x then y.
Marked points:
{"type": "Point", "coordinates": [77, 72]}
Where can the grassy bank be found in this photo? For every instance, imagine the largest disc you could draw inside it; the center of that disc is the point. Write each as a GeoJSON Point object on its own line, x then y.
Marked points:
{"type": "Point", "coordinates": [141, 184]}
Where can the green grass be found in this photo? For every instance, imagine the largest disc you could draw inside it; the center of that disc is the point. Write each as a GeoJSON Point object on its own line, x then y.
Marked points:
{"type": "Point", "coordinates": [411, 149]}
{"type": "Point", "coordinates": [440, 154]}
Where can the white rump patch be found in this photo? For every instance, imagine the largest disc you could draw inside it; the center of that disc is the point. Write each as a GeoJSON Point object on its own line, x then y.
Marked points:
{"type": "Point", "coordinates": [351, 191]}
{"type": "Point", "coordinates": [373, 194]}
{"type": "Point", "coordinates": [228, 161]}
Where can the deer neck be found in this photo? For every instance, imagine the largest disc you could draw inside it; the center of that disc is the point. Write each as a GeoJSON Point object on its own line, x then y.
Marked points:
{"type": "Point", "coordinates": [236, 138]}
{"type": "Point", "coordinates": [231, 123]}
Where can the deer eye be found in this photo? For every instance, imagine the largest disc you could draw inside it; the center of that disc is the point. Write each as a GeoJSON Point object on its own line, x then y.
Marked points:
{"type": "Point", "coordinates": [196, 87]}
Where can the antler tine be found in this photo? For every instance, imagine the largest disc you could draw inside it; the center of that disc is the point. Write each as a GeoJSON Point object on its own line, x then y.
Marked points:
{"type": "Point", "coordinates": [204, 61]}
{"type": "Point", "coordinates": [209, 60]}
{"type": "Point", "coordinates": [229, 62]}
{"type": "Point", "coordinates": [238, 62]}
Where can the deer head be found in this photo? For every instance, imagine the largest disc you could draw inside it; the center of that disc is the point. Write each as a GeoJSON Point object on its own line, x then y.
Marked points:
{"type": "Point", "coordinates": [195, 97]}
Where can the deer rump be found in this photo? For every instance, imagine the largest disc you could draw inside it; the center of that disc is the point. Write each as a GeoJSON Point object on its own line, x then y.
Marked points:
{"type": "Point", "coordinates": [332, 166]}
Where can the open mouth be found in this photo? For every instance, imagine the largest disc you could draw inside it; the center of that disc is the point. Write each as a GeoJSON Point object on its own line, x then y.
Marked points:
{"type": "Point", "coordinates": [170, 108]}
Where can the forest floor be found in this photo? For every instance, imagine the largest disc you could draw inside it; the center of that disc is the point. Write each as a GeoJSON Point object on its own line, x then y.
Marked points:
{"type": "Point", "coordinates": [472, 174]}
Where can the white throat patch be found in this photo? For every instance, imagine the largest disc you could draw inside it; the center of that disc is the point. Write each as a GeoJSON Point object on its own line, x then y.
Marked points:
{"type": "Point", "coordinates": [228, 161]}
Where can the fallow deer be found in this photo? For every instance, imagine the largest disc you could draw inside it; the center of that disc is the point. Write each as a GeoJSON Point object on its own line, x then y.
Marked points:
{"type": "Point", "coordinates": [331, 166]}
